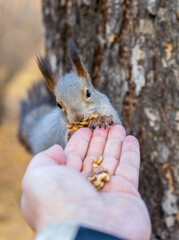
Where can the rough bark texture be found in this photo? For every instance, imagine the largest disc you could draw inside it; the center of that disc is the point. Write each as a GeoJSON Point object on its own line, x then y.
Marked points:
{"type": "Point", "coordinates": [131, 50]}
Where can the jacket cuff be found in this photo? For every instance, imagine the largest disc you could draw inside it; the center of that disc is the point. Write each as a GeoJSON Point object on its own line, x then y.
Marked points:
{"type": "Point", "coordinates": [71, 231]}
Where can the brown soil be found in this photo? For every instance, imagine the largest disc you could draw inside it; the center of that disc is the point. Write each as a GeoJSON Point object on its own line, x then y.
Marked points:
{"type": "Point", "coordinates": [13, 160]}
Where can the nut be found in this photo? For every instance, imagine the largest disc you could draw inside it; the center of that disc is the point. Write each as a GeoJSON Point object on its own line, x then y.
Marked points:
{"type": "Point", "coordinates": [93, 116]}
{"type": "Point", "coordinates": [98, 180]}
{"type": "Point", "coordinates": [98, 160]}
{"type": "Point", "coordinates": [75, 127]}
{"type": "Point", "coordinates": [100, 175]}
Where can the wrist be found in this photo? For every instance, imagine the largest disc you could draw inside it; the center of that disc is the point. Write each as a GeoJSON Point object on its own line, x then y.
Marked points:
{"type": "Point", "coordinates": [72, 231]}
{"type": "Point", "coordinates": [77, 216]}
{"type": "Point", "coordinates": [87, 217]}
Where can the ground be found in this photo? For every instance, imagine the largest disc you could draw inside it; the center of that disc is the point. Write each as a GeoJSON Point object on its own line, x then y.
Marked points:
{"type": "Point", "coordinates": [14, 158]}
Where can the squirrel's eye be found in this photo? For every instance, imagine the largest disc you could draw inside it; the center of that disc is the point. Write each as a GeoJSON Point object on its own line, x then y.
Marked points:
{"type": "Point", "coordinates": [59, 105]}
{"type": "Point", "coordinates": [88, 94]}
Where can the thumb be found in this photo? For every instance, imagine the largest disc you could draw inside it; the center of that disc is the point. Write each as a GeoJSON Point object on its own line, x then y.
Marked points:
{"type": "Point", "coordinates": [52, 156]}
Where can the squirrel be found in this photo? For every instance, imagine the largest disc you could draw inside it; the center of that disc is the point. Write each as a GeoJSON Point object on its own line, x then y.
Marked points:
{"type": "Point", "coordinates": [44, 123]}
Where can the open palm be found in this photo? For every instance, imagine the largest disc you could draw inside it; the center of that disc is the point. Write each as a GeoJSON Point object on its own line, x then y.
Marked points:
{"type": "Point", "coordinates": [56, 189]}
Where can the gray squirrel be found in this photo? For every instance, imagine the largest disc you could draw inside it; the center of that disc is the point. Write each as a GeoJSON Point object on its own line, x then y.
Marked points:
{"type": "Point", "coordinates": [44, 123]}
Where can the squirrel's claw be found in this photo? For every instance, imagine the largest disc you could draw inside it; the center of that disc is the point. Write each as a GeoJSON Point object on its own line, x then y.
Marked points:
{"type": "Point", "coordinates": [106, 120]}
{"type": "Point", "coordinates": [93, 124]}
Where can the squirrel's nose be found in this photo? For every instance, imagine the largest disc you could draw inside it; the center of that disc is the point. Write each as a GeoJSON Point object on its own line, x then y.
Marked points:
{"type": "Point", "coordinates": [78, 117]}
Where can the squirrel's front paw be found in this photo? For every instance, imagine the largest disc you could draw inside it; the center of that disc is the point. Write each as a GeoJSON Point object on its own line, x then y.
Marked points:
{"type": "Point", "coordinates": [106, 120]}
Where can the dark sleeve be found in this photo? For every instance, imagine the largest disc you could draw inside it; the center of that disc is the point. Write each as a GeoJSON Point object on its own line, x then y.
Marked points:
{"type": "Point", "coordinates": [90, 234]}
{"type": "Point", "coordinates": [72, 231]}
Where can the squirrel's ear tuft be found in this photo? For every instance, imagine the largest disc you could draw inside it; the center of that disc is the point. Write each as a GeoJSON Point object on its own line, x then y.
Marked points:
{"type": "Point", "coordinates": [75, 60]}
{"type": "Point", "coordinates": [47, 72]}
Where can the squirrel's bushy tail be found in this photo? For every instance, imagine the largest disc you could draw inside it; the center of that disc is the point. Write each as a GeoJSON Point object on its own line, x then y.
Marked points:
{"type": "Point", "coordinates": [39, 101]}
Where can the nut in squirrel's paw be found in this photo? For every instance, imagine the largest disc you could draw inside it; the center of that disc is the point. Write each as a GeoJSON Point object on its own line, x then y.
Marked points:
{"type": "Point", "coordinates": [92, 122]}
{"type": "Point", "coordinates": [74, 127]}
{"type": "Point", "coordinates": [100, 175]}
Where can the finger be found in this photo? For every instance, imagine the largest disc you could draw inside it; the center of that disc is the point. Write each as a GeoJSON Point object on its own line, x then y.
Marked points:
{"type": "Point", "coordinates": [128, 167]}
{"type": "Point", "coordinates": [77, 147]}
{"type": "Point", "coordinates": [112, 149]}
{"type": "Point", "coordinates": [96, 148]}
{"type": "Point", "coordinates": [56, 152]}
{"type": "Point", "coordinates": [53, 155]}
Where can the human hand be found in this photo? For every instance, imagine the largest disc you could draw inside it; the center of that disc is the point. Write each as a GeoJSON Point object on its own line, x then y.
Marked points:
{"type": "Point", "coordinates": [55, 186]}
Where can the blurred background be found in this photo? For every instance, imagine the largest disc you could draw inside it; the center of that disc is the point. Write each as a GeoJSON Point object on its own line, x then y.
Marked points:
{"type": "Point", "coordinates": [20, 41]}
{"type": "Point", "coordinates": [131, 50]}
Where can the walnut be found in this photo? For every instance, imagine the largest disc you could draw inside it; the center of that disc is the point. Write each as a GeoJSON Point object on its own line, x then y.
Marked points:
{"type": "Point", "coordinates": [98, 160]}
{"type": "Point", "coordinates": [99, 180]}
{"type": "Point", "coordinates": [74, 127]}
{"type": "Point", "coordinates": [100, 175]}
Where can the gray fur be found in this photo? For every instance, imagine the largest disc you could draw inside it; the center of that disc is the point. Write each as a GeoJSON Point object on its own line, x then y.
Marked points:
{"type": "Point", "coordinates": [45, 125]}
{"type": "Point", "coordinates": [71, 85]}
{"type": "Point", "coordinates": [50, 129]}
{"type": "Point", "coordinates": [42, 124]}
{"type": "Point", "coordinates": [39, 97]}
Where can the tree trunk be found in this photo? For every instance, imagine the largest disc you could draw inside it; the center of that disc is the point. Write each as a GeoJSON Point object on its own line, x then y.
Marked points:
{"type": "Point", "coordinates": [131, 50]}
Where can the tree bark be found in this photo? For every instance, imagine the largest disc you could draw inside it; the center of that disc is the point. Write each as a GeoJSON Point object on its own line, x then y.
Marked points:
{"type": "Point", "coordinates": [131, 50]}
